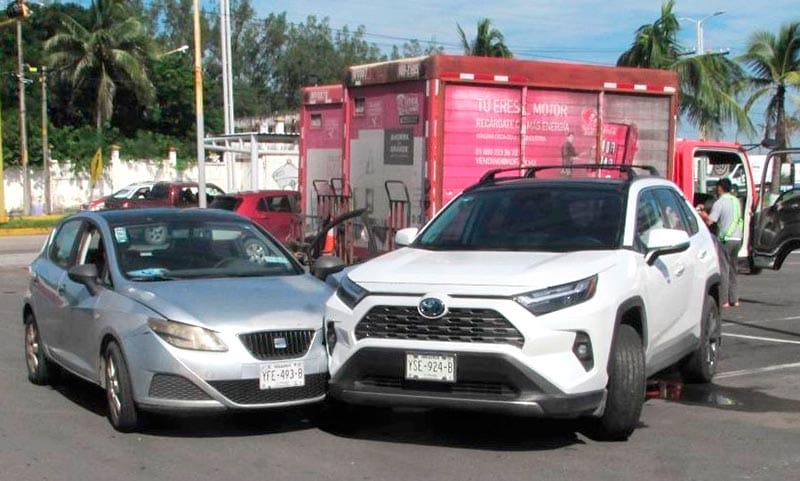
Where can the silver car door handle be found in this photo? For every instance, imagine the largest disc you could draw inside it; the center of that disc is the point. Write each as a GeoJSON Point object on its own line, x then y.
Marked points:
{"type": "Point", "coordinates": [680, 270]}
{"type": "Point", "coordinates": [702, 255]}
{"type": "Point", "coordinates": [61, 289]}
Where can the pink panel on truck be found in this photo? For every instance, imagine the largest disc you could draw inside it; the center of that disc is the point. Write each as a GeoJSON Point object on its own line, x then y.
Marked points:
{"type": "Point", "coordinates": [387, 143]}
{"type": "Point", "coordinates": [481, 132]}
{"type": "Point", "coordinates": [322, 145]}
{"type": "Point", "coordinates": [550, 116]}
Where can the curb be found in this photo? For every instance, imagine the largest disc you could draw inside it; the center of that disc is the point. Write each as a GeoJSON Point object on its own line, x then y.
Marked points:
{"type": "Point", "coordinates": [24, 231]}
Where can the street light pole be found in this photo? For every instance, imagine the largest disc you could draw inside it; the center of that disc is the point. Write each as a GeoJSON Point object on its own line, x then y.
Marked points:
{"type": "Point", "coordinates": [23, 132]}
{"type": "Point", "coordinates": [699, 24]}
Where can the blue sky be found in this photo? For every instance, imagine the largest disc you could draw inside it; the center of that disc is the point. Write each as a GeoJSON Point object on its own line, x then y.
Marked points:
{"type": "Point", "coordinates": [578, 30]}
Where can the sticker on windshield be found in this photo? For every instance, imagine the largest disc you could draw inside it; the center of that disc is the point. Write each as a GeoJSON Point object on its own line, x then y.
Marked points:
{"type": "Point", "coordinates": [149, 272]}
{"type": "Point", "coordinates": [121, 234]}
{"type": "Point", "coordinates": [275, 260]}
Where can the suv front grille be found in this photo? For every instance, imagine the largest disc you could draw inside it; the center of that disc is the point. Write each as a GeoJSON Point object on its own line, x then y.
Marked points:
{"type": "Point", "coordinates": [458, 325]}
{"type": "Point", "coordinates": [266, 345]}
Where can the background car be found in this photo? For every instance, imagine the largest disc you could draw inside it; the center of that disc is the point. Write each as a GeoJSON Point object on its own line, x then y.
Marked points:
{"type": "Point", "coordinates": [167, 194]}
{"type": "Point", "coordinates": [277, 211]}
{"type": "Point", "coordinates": [552, 297]}
{"type": "Point", "coordinates": [137, 190]}
{"type": "Point", "coordinates": [186, 310]}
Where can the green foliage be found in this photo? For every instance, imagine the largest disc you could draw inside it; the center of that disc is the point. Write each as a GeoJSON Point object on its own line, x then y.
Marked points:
{"type": "Point", "coordinates": [709, 83]}
{"type": "Point", "coordinates": [774, 60]}
{"type": "Point", "coordinates": [488, 42]}
{"type": "Point", "coordinates": [107, 55]}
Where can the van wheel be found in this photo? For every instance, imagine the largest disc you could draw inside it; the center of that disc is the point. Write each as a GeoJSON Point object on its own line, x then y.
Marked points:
{"type": "Point", "coordinates": [122, 411]}
{"type": "Point", "coordinates": [39, 367]}
{"type": "Point", "coordinates": [701, 365]}
{"type": "Point", "coordinates": [626, 388]}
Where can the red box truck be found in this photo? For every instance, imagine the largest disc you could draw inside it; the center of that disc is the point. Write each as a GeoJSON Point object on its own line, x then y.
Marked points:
{"type": "Point", "coordinates": [402, 138]}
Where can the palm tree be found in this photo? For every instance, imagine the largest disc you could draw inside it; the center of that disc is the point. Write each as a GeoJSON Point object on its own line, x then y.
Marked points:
{"type": "Point", "coordinates": [489, 42]}
{"type": "Point", "coordinates": [774, 61]}
{"type": "Point", "coordinates": [98, 59]}
{"type": "Point", "coordinates": [708, 83]}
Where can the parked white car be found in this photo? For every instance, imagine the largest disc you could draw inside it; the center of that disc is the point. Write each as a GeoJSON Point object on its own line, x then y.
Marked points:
{"type": "Point", "coordinates": [551, 297]}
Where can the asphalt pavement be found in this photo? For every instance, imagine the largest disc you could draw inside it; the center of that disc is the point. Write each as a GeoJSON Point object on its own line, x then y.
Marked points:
{"type": "Point", "coordinates": [746, 425]}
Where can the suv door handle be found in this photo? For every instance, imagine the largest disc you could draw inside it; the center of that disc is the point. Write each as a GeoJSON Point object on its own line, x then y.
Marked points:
{"type": "Point", "coordinates": [702, 255]}
{"type": "Point", "coordinates": [680, 270]}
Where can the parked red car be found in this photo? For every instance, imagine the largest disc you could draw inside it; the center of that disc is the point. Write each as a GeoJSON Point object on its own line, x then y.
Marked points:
{"type": "Point", "coordinates": [277, 211]}
{"type": "Point", "coordinates": [167, 194]}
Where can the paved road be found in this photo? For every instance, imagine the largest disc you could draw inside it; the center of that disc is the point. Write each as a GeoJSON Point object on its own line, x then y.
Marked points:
{"type": "Point", "coordinates": [745, 426]}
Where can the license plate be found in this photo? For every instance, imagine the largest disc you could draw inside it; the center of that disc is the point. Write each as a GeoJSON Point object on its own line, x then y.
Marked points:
{"type": "Point", "coordinates": [280, 375]}
{"type": "Point", "coordinates": [431, 367]}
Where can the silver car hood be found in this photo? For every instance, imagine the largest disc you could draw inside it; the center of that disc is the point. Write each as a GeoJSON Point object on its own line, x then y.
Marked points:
{"type": "Point", "coordinates": [237, 304]}
{"type": "Point", "coordinates": [470, 270]}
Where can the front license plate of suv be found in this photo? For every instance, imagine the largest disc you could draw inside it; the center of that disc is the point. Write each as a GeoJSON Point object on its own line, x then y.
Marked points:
{"type": "Point", "coordinates": [430, 367]}
{"type": "Point", "coordinates": [278, 375]}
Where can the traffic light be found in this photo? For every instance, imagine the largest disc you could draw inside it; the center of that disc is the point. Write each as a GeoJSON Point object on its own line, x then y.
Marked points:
{"type": "Point", "coordinates": [18, 9]}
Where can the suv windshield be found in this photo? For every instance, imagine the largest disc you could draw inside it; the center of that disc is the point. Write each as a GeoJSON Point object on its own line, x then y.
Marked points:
{"type": "Point", "coordinates": [170, 248]}
{"type": "Point", "coordinates": [551, 217]}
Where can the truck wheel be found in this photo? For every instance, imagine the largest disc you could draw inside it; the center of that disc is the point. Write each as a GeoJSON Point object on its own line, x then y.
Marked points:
{"type": "Point", "coordinates": [38, 366]}
{"type": "Point", "coordinates": [701, 365]}
{"type": "Point", "coordinates": [122, 411]}
{"type": "Point", "coordinates": [626, 388]}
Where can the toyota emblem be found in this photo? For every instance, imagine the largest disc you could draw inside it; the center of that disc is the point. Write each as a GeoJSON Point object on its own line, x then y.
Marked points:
{"type": "Point", "coordinates": [431, 308]}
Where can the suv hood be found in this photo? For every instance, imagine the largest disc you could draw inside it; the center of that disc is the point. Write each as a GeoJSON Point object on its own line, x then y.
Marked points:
{"type": "Point", "coordinates": [413, 270]}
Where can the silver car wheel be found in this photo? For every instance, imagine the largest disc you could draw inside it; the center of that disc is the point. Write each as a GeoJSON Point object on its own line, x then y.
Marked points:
{"type": "Point", "coordinates": [31, 347]}
{"type": "Point", "coordinates": [112, 388]}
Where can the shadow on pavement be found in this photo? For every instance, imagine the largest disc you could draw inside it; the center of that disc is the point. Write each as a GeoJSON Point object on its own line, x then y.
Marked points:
{"type": "Point", "coordinates": [223, 424]}
{"type": "Point", "coordinates": [741, 399]}
{"type": "Point", "coordinates": [453, 429]}
{"type": "Point", "coordinates": [764, 328]}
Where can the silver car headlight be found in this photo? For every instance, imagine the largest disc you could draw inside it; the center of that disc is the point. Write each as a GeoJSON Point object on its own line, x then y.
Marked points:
{"type": "Point", "coordinates": [186, 336]}
{"type": "Point", "coordinates": [350, 293]}
{"type": "Point", "coordinates": [543, 301]}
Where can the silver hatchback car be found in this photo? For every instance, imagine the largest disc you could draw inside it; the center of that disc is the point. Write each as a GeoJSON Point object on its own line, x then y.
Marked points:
{"type": "Point", "coordinates": [176, 310]}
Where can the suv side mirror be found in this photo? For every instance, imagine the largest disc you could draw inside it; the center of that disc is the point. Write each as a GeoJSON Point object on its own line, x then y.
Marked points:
{"type": "Point", "coordinates": [405, 237]}
{"type": "Point", "coordinates": [325, 266]}
{"type": "Point", "coordinates": [85, 274]}
{"type": "Point", "coordinates": [660, 242]}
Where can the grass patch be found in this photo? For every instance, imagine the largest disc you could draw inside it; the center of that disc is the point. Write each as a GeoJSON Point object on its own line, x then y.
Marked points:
{"type": "Point", "coordinates": [38, 221]}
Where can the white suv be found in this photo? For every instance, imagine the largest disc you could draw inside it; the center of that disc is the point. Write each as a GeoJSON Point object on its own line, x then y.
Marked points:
{"type": "Point", "coordinates": [551, 297]}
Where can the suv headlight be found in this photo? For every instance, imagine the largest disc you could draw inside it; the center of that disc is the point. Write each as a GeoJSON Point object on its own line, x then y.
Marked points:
{"type": "Point", "coordinates": [350, 293]}
{"type": "Point", "coordinates": [543, 301]}
{"type": "Point", "coordinates": [186, 336]}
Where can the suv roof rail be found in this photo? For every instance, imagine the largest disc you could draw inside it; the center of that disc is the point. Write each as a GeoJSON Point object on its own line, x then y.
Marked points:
{"type": "Point", "coordinates": [531, 170]}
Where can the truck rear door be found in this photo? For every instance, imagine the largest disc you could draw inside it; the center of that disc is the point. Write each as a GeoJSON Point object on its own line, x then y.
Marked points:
{"type": "Point", "coordinates": [776, 226]}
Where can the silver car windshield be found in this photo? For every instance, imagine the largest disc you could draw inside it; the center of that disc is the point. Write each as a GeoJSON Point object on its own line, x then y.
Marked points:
{"type": "Point", "coordinates": [542, 218]}
{"type": "Point", "coordinates": [180, 249]}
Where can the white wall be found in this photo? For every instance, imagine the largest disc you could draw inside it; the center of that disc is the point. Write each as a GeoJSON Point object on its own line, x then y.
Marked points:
{"type": "Point", "coordinates": [276, 168]}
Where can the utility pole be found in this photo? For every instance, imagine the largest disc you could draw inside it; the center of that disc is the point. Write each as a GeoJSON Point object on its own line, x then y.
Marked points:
{"type": "Point", "coordinates": [3, 214]}
{"type": "Point", "coordinates": [23, 132]}
{"type": "Point", "coordinates": [45, 145]}
{"type": "Point", "coordinates": [198, 99]}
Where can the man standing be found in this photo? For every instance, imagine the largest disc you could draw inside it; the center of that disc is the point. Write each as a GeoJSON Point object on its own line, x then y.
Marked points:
{"type": "Point", "coordinates": [568, 154]}
{"type": "Point", "coordinates": [726, 213]}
